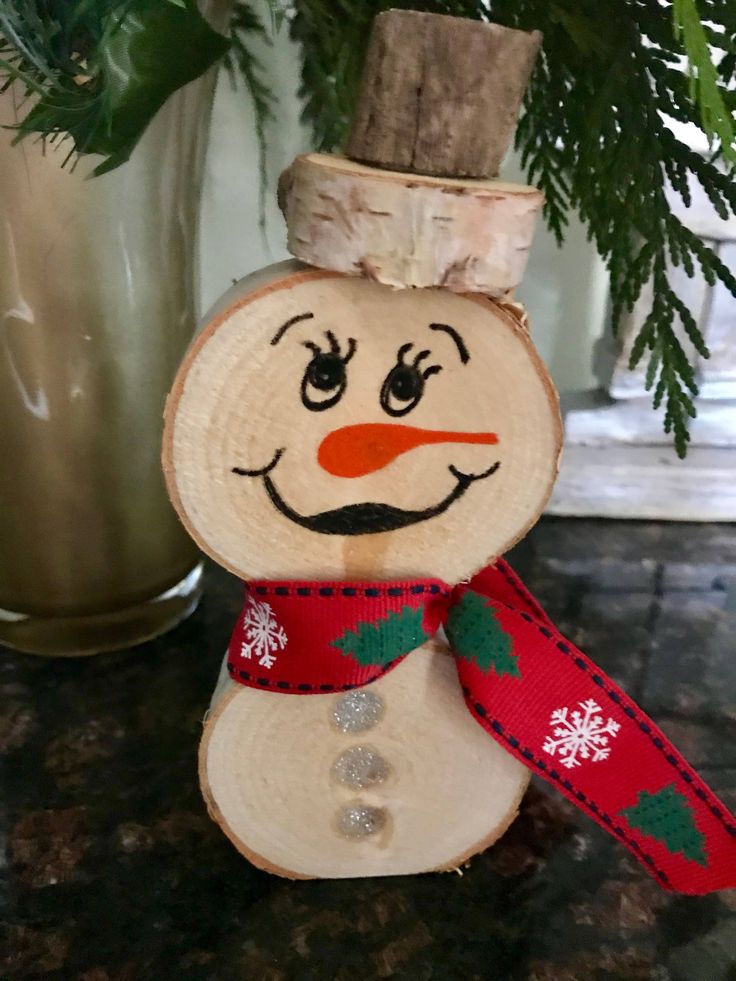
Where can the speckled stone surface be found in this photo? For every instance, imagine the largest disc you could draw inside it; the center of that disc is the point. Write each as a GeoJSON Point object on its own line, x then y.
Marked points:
{"type": "Point", "coordinates": [114, 872]}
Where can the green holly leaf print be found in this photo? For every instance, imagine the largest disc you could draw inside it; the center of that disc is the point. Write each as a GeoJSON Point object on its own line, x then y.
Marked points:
{"type": "Point", "coordinates": [380, 641]}
{"type": "Point", "coordinates": [666, 815]}
{"type": "Point", "coordinates": [475, 634]}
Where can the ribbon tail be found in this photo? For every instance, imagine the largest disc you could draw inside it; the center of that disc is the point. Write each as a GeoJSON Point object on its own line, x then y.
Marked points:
{"type": "Point", "coordinates": [552, 708]}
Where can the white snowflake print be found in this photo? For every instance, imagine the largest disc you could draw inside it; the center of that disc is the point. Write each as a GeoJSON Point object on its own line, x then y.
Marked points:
{"type": "Point", "coordinates": [580, 735]}
{"type": "Point", "coordinates": [263, 633]}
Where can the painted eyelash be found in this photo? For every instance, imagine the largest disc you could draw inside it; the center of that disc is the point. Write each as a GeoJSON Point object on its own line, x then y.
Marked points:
{"type": "Point", "coordinates": [334, 347]}
{"type": "Point", "coordinates": [426, 372]}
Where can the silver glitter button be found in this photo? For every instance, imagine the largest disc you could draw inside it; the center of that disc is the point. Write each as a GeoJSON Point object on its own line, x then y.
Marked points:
{"type": "Point", "coordinates": [360, 767]}
{"type": "Point", "coordinates": [357, 711]}
{"type": "Point", "coordinates": [360, 820]}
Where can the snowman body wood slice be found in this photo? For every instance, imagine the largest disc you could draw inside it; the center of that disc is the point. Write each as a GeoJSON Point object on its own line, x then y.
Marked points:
{"type": "Point", "coordinates": [395, 777]}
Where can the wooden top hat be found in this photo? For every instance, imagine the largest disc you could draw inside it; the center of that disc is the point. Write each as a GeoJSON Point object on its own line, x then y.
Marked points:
{"type": "Point", "coordinates": [440, 95]}
{"type": "Point", "coordinates": [416, 202]}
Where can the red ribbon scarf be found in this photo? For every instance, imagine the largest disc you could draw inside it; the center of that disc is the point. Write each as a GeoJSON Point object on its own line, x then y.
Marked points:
{"type": "Point", "coordinates": [535, 693]}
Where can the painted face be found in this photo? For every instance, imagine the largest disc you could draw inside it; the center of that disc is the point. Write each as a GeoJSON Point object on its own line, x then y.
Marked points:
{"type": "Point", "coordinates": [329, 427]}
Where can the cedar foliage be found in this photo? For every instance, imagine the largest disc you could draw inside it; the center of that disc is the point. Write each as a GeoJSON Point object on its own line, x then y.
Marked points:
{"type": "Point", "coordinates": [592, 137]}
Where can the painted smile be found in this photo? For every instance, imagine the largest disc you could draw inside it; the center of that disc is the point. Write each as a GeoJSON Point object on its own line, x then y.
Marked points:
{"type": "Point", "coordinates": [367, 518]}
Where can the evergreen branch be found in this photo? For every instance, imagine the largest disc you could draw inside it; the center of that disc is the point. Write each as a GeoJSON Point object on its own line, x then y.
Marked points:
{"type": "Point", "coordinates": [97, 73]}
{"type": "Point", "coordinates": [245, 23]}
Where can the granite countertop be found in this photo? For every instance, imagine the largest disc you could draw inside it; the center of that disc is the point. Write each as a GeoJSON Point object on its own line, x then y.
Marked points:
{"type": "Point", "coordinates": [114, 871]}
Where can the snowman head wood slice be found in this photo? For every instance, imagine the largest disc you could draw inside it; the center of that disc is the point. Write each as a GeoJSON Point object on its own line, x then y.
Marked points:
{"type": "Point", "coordinates": [325, 427]}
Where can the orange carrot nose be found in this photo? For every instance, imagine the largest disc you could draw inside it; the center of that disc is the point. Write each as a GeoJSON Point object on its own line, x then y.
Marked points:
{"type": "Point", "coordinates": [355, 451]}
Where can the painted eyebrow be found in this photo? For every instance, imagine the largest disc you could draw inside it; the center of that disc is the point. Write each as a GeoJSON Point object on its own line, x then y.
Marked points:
{"type": "Point", "coordinates": [290, 323]}
{"type": "Point", "coordinates": [459, 343]}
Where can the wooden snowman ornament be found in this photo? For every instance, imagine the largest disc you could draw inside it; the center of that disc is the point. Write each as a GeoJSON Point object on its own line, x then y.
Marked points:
{"type": "Point", "coordinates": [356, 451]}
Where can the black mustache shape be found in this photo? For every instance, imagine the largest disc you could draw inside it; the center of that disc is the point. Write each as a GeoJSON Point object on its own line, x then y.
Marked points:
{"type": "Point", "coordinates": [369, 518]}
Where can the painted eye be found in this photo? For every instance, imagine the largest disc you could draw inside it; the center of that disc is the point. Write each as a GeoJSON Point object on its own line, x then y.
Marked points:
{"type": "Point", "coordinates": [404, 385]}
{"type": "Point", "coordinates": [325, 378]}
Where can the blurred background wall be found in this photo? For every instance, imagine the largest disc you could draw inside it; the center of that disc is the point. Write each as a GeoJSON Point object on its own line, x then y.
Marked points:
{"type": "Point", "coordinates": [564, 289]}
